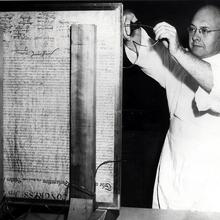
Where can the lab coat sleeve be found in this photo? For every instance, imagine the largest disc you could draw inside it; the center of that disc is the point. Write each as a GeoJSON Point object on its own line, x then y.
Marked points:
{"type": "Point", "coordinates": [152, 59]}
{"type": "Point", "coordinates": [210, 101]}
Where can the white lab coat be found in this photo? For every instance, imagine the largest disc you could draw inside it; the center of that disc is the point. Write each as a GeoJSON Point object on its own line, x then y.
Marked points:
{"type": "Point", "coordinates": [188, 174]}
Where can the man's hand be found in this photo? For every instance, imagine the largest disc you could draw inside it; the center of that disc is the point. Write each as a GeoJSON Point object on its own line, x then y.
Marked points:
{"type": "Point", "coordinates": [132, 39]}
{"type": "Point", "coordinates": [200, 70]}
{"type": "Point", "coordinates": [128, 18]}
{"type": "Point", "coordinates": [168, 35]}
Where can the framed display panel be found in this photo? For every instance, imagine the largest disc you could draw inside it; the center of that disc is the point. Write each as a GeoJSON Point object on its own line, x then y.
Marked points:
{"type": "Point", "coordinates": [35, 125]}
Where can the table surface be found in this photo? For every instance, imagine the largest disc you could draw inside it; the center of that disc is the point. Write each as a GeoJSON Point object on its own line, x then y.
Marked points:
{"type": "Point", "coordinates": [153, 214]}
{"type": "Point", "coordinates": [141, 214]}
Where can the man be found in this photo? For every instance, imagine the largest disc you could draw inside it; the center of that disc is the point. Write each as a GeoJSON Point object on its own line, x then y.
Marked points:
{"type": "Point", "coordinates": [188, 174]}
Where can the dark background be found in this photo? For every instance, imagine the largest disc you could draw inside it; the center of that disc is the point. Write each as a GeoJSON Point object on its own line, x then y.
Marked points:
{"type": "Point", "coordinates": [145, 111]}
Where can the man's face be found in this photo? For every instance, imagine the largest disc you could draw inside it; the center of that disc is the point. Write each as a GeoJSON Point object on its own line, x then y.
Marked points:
{"type": "Point", "coordinates": [205, 45]}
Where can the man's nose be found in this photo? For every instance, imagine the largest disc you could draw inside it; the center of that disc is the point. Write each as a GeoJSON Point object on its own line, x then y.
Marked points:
{"type": "Point", "coordinates": [196, 35]}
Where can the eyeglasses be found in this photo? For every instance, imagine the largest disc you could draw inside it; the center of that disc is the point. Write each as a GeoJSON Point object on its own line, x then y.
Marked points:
{"type": "Point", "coordinates": [204, 31]}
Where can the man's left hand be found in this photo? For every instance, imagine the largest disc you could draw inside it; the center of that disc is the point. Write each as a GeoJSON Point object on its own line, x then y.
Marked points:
{"type": "Point", "coordinates": [168, 35]}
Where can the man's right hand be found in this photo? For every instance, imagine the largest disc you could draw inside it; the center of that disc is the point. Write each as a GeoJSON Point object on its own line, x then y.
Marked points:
{"type": "Point", "coordinates": [130, 37]}
{"type": "Point", "coordinates": [128, 18]}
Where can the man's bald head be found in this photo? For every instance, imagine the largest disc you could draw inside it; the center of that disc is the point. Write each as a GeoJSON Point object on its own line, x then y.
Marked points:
{"type": "Point", "coordinates": [201, 44]}
{"type": "Point", "coordinates": [209, 12]}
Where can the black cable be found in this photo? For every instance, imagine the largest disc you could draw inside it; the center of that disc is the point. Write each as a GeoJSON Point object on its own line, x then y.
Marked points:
{"type": "Point", "coordinates": [7, 214]}
{"type": "Point", "coordinates": [134, 26]}
{"type": "Point", "coordinates": [103, 163]}
{"type": "Point", "coordinates": [83, 190]}
{"type": "Point", "coordinates": [137, 53]}
{"type": "Point", "coordinates": [106, 162]}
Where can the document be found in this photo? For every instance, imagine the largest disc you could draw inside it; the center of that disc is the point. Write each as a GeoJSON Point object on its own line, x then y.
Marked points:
{"type": "Point", "coordinates": [36, 101]}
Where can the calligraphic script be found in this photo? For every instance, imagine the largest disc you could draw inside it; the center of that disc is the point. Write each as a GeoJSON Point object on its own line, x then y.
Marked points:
{"type": "Point", "coordinates": [36, 101]}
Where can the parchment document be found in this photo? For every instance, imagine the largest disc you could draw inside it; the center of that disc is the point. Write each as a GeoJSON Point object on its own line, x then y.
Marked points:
{"type": "Point", "coordinates": [36, 100]}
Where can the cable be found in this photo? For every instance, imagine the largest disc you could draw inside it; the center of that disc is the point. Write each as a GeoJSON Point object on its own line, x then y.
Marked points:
{"type": "Point", "coordinates": [136, 51]}
{"type": "Point", "coordinates": [101, 164]}
{"type": "Point", "coordinates": [83, 190]}
{"type": "Point", "coordinates": [134, 26]}
{"type": "Point", "coordinates": [6, 213]}
{"type": "Point", "coordinates": [105, 162]}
